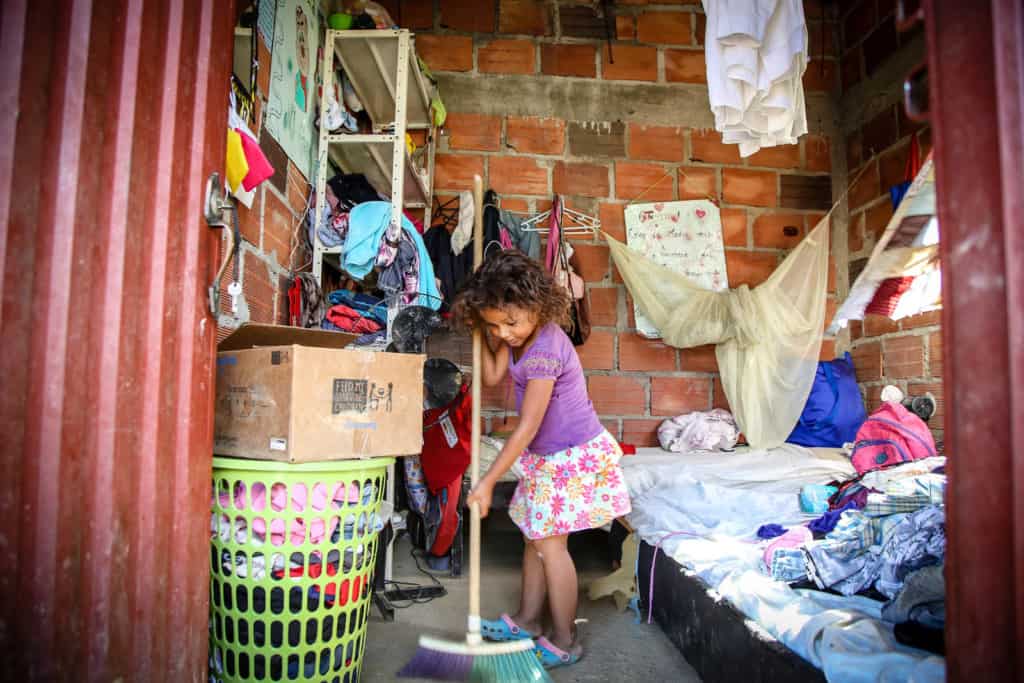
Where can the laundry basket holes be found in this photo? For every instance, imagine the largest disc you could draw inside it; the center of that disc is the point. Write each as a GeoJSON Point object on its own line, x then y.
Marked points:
{"type": "Point", "coordinates": [294, 633]}
{"type": "Point", "coordinates": [243, 632]}
{"type": "Point", "coordinates": [355, 588]}
{"type": "Point", "coordinates": [240, 501]}
{"type": "Point", "coordinates": [325, 661]}
{"type": "Point", "coordinates": [319, 500]}
{"type": "Point", "coordinates": [333, 562]}
{"type": "Point", "coordinates": [297, 535]}
{"type": "Point", "coordinates": [277, 565]}
{"type": "Point", "coordinates": [300, 497]}
{"type": "Point", "coordinates": [223, 494]}
{"type": "Point", "coordinates": [218, 627]}
{"type": "Point", "coordinates": [276, 634]}
{"type": "Point", "coordinates": [229, 662]}
{"type": "Point", "coordinates": [215, 591]}
{"type": "Point", "coordinates": [259, 599]}
{"type": "Point", "coordinates": [241, 564]}
{"type": "Point", "coordinates": [309, 663]}
{"type": "Point", "coordinates": [243, 665]}
{"type": "Point", "coordinates": [224, 527]}
{"type": "Point", "coordinates": [259, 495]}
{"type": "Point", "coordinates": [342, 621]}
{"type": "Point", "coordinates": [259, 667]}
{"type": "Point", "coordinates": [214, 569]}
{"type": "Point", "coordinates": [229, 629]}
{"type": "Point", "coordinates": [275, 668]}
{"type": "Point", "coordinates": [241, 530]}
{"type": "Point", "coordinates": [349, 560]}
{"type": "Point", "coordinates": [295, 599]}
{"type": "Point", "coordinates": [277, 600]}
{"type": "Point", "coordinates": [312, 628]}
{"type": "Point", "coordinates": [296, 566]}
{"type": "Point", "coordinates": [313, 598]}
{"type": "Point", "coordinates": [327, 628]}
{"type": "Point", "coordinates": [242, 598]}
{"type": "Point", "coordinates": [227, 596]}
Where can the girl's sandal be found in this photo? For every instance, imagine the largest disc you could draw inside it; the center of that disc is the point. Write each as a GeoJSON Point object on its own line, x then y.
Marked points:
{"type": "Point", "coordinates": [551, 656]}
{"type": "Point", "coordinates": [502, 629]}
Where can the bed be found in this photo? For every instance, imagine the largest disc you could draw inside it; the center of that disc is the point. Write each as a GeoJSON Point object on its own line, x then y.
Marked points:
{"type": "Point", "coordinates": [730, 620]}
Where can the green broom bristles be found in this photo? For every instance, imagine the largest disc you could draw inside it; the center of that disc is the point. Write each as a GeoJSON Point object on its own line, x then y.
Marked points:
{"type": "Point", "coordinates": [508, 662]}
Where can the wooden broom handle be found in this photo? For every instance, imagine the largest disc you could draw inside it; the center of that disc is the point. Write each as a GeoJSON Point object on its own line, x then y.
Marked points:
{"type": "Point", "coordinates": [474, 466]}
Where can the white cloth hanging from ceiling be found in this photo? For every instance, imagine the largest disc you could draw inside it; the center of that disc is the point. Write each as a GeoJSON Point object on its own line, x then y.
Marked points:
{"type": "Point", "coordinates": [756, 54]}
{"type": "Point", "coordinates": [768, 338]}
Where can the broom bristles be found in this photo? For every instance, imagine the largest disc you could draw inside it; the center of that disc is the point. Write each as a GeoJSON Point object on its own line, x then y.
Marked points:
{"type": "Point", "coordinates": [508, 662]}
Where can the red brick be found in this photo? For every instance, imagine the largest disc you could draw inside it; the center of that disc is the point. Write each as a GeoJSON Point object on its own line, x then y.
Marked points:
{"type": "Point", "coordinates": [456, 171]}
{"type": "Point", "coordinates": [278, 227]}
{"type": "Point", "coordinates": [535, 135]}
{"type": "Point", "coordinates": [585, 180]}
{"type": "Point", "coordinates": [821, 76]}
{"type": "Point", "coordinates": [781, 156]}
{"type": "Point", "coordinates": [851, 67]}
{"type": "Point", "coordinates": [263, 73]}
{"type": "Point", "coordinates": [415, 15]}
{"type": "Point", "coordinates": [702, 27]}
{"type": "Point", "coordinates": [617, 395]}
{"type": "Point", "coordinates": [632, 63]}
{"type": "Point", "coordinates": [500, 397]}
{"type": "Point", "coordinates": [515, 204]}
{"type": "Point", "coordinates": [517, 175]}
{"type": "Point", "coordinates": [639, 354]}
{"type": "Point", "coordinates": [904, 357]}
{"type": "Point", "coordinates": [881, 132]}
{"type": "Point", "coordinates": [865, 187]}
{"type": "Point", "coordinates": [706, 145]}
{"type": "Point", "coordinates": [669, 28]}
{"type": "Point", "coordinates": [698, 359]}
{"type": "Point", "coordinates": [593, 261]}
{"type": "Point", "coordinates": [249, 219]}
{"type": "Point", "coordinates": [646, 181]}
{"type": "Point", "coordinates": [876, 218]}
{"type": "Point", "coordinates": [685, 66]}
{"type": "Point", "coordinates": [749, 267]}
{"type": "Point", "coordinates": [613, 220]}
{"type": "Point", "coordinates": [640, 433]}
{"type": "Point", "coordinates": [419, 137]}
{"type": "Point", "coordinates": [734, 227]}
{"type": "Point", "coordinates": [769, 230]}
{"type": "Point", "coordinates": [598, 353]}
{"type": "Point", "coordinates": [656, 143]}
{"type": "Point", "coordinates": [604, 306]}
{"type": "Point", "coordinates": [867, 361]}
{"type": "Point", "coordinates": [892, 165]}
{"type": "Point", "coordinates": [718, 399]}
{"type": "Point", "coordinates": [679, 395]}
{"type": "Point", "coordinates": [445, 53]}
{"type": "Point", "coordinates": [922, 320]}
{"type": "Point", "coordinates": [828, 349]}
{"type": "Point", "coordinates": [258, 289]}
{"type": "Point", "coordinates": [811, 221]}
{"type": "Point", "coordinates": [506, 57]}
{"type": "Point", "coordinates": [873, 397]}
{"type": "Point", "coordinates": [471, 16]}
{"type": "Point", "coordinates": [877, 325]}
{"type": "Point", "coordinates": [856, 329]}
{"type": "Point", "coordinates": [935, 354]}
{"type": "Point", "coordinates": [698, 182]}
{"type": "Point", "coordinates": [502, 426]}
{"type": "Point", "coordinates": [625, 27]}
{"type": "Point", "coordinates": [855, 233]}
{"type": "Point", "coordinates": [473, 131]}
{"type": "Point", "coordinates": [529, 17]}
{"type": "Point", "coordinates": [854, 152]}
{"type": "Point", "coordinates": [612, 425]}
{"type": "Point", "coordinates": [830, 312]}
{"type": "Point", "coordinates": [831, 274]}
{"type": "Point", "coordinates": [754, 188]}
{"type": "Point", "coordinates": [569, 60]}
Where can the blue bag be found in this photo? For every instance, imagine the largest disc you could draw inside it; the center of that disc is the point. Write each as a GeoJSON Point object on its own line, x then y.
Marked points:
{"type": "Point", "coordinates": [834, 410]}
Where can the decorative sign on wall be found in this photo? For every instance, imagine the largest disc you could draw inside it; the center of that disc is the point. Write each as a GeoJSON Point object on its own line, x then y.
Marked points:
{"type": "Point", "coordinates": [685, 237]}
{"type": "Point", "coordinates": [292, 98]}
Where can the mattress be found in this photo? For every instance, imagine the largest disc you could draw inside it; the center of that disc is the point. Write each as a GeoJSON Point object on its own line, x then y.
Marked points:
{"type": "Point", "coordinates": [703, 511]}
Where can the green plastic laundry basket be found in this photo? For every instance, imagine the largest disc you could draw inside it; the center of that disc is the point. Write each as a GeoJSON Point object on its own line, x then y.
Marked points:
{"type": "Point", "coordinates": [292, 553]}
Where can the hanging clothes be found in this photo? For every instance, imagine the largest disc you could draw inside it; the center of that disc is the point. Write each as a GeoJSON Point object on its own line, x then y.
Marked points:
{"type": "Point", "coordinates": [450, 268]}
{"type": "Point", "coordinates": [768, 338]}
{"type": "Point", "coordinates": [559, 264]}
{"type": "Point", "coordinates": [756, 55]}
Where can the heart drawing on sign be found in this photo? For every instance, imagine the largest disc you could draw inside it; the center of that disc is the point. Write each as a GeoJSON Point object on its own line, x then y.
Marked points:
{"type": "Point", "coordinates": [701, 213]}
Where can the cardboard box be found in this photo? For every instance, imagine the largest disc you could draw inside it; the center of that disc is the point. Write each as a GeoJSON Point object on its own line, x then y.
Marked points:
{"type": "Point", "coordinates": [298, 395]}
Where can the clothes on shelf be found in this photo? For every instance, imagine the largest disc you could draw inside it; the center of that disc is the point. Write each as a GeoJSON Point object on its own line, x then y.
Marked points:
{"type": "Point", "coordinates": [350, 320]}
{"type": "Point", "coordinates": [709, 430]}
{"type": "Point", "coordinates": [756, 54]}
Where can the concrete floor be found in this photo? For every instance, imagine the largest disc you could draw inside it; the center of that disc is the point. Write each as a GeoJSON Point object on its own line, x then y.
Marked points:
{"type": "Point", "coordinates": [616, 648]}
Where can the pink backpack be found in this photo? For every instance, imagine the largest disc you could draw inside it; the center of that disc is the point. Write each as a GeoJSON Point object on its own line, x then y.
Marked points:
{"type": "Point", "coordinates": [891, 435]}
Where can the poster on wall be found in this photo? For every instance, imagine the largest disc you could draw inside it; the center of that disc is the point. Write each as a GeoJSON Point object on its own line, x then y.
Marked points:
{"type": "Point", "coordinates": [685, 237]}
{"type": "Point", "coordinates": [291, 101]}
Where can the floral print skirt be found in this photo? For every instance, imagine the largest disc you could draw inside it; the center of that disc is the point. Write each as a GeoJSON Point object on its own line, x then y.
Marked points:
{"type": "Point", "coordinates": [572, 490]}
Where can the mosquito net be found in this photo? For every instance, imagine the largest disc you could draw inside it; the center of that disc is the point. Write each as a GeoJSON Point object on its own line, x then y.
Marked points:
{"type": "Point", "coordinates": [767, 338]}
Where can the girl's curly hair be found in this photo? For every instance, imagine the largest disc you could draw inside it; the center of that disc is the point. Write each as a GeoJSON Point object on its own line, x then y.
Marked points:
{"type": "Point", "coordinates": [512, 278]}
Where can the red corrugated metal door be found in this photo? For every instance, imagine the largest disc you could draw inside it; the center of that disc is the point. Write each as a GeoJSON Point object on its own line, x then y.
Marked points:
{"type": "Point", "coordinates": [112, 114]}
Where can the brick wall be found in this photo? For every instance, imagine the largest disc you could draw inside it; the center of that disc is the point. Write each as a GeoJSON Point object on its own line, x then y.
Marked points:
{"type": "Point", "coordinates": [537, 107]}
{"type": "Point", "coordinates": [270, 227]}
{"type": "Point", "coordinates": [906, 353]}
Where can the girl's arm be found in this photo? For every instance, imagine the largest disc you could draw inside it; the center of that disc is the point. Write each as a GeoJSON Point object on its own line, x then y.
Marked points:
{"type": "Point", "coordinates": [495, 360]}
{"type": "Point", "coordinates": [535, 405]}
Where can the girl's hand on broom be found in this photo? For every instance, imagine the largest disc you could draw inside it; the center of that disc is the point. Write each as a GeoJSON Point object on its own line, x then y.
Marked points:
{"type": "Point", "coordinates": [481, 495]}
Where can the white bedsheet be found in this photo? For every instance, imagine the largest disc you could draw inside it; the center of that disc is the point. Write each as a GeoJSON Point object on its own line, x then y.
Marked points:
{"type": "Point", "coordinates": [725, 497]}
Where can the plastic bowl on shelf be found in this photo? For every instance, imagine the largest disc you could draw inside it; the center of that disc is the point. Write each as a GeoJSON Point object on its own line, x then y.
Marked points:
{"type": "Point", "coordinates": [340, 21]}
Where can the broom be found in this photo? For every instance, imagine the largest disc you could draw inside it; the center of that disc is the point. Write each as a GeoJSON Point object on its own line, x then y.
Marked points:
{"type": "Point", "coordinates": [474, 660]}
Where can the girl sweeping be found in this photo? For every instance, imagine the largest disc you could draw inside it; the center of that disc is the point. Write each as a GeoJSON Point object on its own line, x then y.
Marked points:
{"type": "Point", "coordinates": [572, 479]}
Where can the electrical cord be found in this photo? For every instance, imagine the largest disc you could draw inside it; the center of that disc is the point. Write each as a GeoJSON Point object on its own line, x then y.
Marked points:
{"type": "Point", "coordinates": [408, 586]}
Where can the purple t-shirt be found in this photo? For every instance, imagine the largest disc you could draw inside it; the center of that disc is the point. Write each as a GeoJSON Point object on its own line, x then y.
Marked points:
{"type": "Point", "coordinates": [570, 419]}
